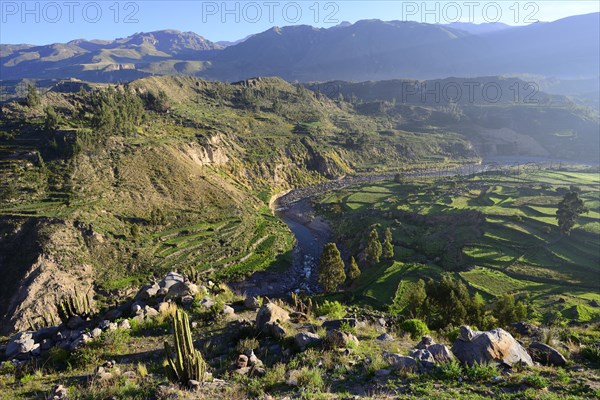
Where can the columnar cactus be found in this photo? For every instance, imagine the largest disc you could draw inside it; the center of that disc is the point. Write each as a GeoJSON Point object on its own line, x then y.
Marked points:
{"type": "Point", "coordinates": [74, 305]}
{"type": "Point", "coordinates": [187, 364]}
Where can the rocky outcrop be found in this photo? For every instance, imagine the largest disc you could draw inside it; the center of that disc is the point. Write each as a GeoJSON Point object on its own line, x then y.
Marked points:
{"type": "Point", "coordinates": [211, 153]}
{"type": "Point", "coordinates": [336, 339]}
{"type": "Point", "coordinates": [54, 270]}
{"type": "Point", "coordinates": [306, 339]}
{"type": "Point", "coordinates": [400, 362]}
{"type": "Point", "coordinates": [496, 345]}
{"type": "Point", "coordinates": [21, 344]}
{"type": "Point", "coordinates": [270, 318]}
{"type": "Point", "coordinates": [546, 355]}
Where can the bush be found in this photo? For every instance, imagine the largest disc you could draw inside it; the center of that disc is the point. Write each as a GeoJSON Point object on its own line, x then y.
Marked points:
{"type": "Point", "coordinates": [481, 372]}
{"type": "Point", "coordinates": [7, 367]}
{"type": "Point", "coordinates": [591, 353]}
{"type": "Point", "coordinates": [451, 370]}
{"type": "Point", "coordinates": [332, 309]}
{"type": "Point", "coordinates": [536, 381]}
{"type": "Point", "coordinates": [415, 327]}
{"type": "Point", "coordinates": [310, 379]}
{"type": "Point", "coordinates": [59, 358]}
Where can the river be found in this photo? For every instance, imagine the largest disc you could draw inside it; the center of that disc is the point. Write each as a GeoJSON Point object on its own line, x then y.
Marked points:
{"type": "Point", "coordinates": [295, 209]}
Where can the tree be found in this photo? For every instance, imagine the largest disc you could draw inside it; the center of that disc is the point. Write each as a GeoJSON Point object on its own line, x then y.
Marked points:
{"type": "Point", "coordinates": [33, 98]}
{"type": "Point", "coordinates": [51, 119]}
{"type": "Point", "coordinates": [569, 209]}
{"type": "Point", "coordinates": [331, 268]}
{"type": "Point", "coordinates": [508, 310]}
{"type": "Point", "coordinates": [353, 270]}
{"type": "Point", "coordinates": [416, 299]}
{"type": "Point", "coordinates": [388, 247]}
{"type": "Point", "coordinates": [374, 249]}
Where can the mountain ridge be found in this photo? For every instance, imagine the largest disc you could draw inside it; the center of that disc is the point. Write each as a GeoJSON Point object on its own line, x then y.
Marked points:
{"type": "Point", "coordinates": [365, 50]}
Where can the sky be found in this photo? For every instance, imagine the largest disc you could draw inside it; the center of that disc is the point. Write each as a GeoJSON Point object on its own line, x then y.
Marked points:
{"type": "Point", "coordinates": [45, 22]}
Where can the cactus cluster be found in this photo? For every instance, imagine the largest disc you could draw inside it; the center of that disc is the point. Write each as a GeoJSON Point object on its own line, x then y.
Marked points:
{"type": "Point", "coordinates": [301, 306]}
{"type": "Point", "coordinates": [73, 305]}
{"type": "Point", "coordinates": [187, 364]}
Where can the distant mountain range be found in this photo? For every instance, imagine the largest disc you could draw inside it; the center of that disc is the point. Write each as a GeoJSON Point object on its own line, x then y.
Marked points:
{"type": "Point", "coordinates": [366, 50]}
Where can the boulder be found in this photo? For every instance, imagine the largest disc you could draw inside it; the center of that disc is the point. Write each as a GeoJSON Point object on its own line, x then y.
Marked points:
{"type": "Point", "coordinates": [45, 333]}
{"type": "Point", "coordinates": [170, 279]}
{"type": "Point", "coordinates": [496, 345]}
{"type": "Point", "coordinates": [207, 302]}
{"type": "Point", "coordinates": [269, 319]}
{"type": "Point", "coordinates": [305, 339]}
{"type": "Point", "coordinates": [252, 303]}
{"type": "Point", "coordinates": [112, 315]}
{"type": "Point", "coordinates": [253, 360]}
{"type": "Point", "coordinates": [546, 355]}
{"type": "Point", "coordinates": [80, 341]}
{"type": "Point", "coordinates": [298, 317]}
{"type": "Point", "coordinates": [182, 289]}
{"type": "Point", "coordinates": [337, 323]}
{"type": "Point", "coordinates": [163, 307]}
{"type": "Point", "coordinates": [124, 324]}
{"type": "Point", "coordinates": [104, 324]}
{"type": "Point", "coordinates": [75, 322]}
{"type": "Point", "coordinates": [338, 339]}
{"type": "Point", "coordinates": [150, 312]}
{"type": "Point", "coordinates": [59, 392]}
{"type": "Point", "coordinates": [95, 333]}
{"type": "Point", "coordinates": [424, 358]}
{"type": "Point", "coordinates": [278, 331]}
{"type": "Point", "coordinates": [148, 292]}
{"type": "Point", "coordinates": [137, 308]}
{"type": "Point", "coordinates": [228, 310]}
{"type": "Point", "coordinates": [400, 362]}
{"type": "Point", "coordinates": [46, 344]}
{"type": "Point", "coordinates": [194, 385]}
{"type": "Point", "coordinates": [21, 343]}
{"type": "Point", "coordinates": [440, 353]}
{"type": "Point", "coordinates": [525, 328]}
{"type": "Point", "coordinates": [425, 342]}
{"type": "Point", "coordinates": [385, 337]}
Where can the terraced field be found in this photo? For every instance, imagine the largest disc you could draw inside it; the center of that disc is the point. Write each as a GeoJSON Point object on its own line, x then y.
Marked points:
{"type": "Point", "coordinates": [497, 232]}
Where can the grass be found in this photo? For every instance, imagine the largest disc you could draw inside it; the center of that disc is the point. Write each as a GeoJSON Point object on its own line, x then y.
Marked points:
{"type": "Point", "coordinates": [515, 246]}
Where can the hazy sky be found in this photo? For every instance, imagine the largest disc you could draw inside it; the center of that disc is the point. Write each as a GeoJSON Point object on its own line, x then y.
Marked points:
{"type": "Point", "coordinates": [43, 22]}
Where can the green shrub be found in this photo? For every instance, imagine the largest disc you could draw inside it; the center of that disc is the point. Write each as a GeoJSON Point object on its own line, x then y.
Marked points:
{"type": "Point", "coordinates": [481, 372]}
{"type": "Point", "coordinates": [451, 333]}
{"type": "Point", "coordinates": [592, 353]}
{"type": "Point", "coordinates": [415, 327]}
{"type": "Point", "coordinates": [452, 370]}
{"type": "Point", "coordinates": [345, 327]}
{"type": "Point", "coordinates": [7, 367]}
{"type": "Point", "coordinates": [332, 309]}
{"type": "Point", "coordinates": [310, 379]}
{"type": "Point", "coordinates": [58, 357]}
{"type": "Point", "coordinates": [536, 381]}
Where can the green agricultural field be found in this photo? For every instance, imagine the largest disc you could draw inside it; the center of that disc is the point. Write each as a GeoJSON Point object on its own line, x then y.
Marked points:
{"type": "Point", "coordinates": [497, 233]}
